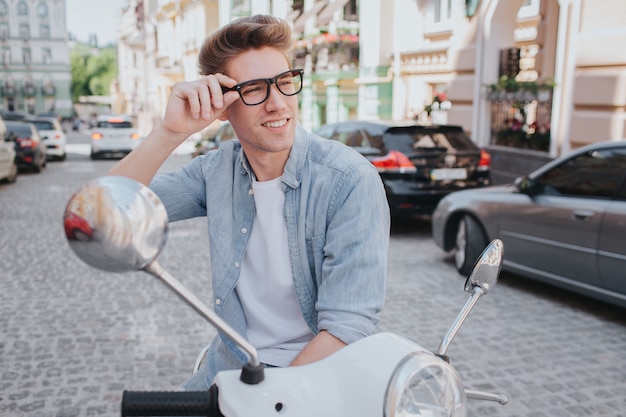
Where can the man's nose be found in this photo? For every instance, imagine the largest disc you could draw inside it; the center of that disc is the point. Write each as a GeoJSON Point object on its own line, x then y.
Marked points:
{"type": "Point", "coordinates": [276, 98]}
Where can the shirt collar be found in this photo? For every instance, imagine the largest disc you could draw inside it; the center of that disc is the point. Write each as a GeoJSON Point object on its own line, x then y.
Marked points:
{"type": "Point", "coordinates": [295, 162]}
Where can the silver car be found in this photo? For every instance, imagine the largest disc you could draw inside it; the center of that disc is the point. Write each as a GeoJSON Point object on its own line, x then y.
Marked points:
{"type": "Point", "coordinates": [564, 224]}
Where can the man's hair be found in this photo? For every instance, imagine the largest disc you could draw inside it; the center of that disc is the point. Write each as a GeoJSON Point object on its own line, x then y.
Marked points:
{"type": "Point", "coordinates": [241, 35]}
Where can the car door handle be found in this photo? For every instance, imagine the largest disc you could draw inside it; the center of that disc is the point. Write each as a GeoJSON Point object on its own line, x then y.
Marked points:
{"type": "Point", "coordinates": [582, 215]}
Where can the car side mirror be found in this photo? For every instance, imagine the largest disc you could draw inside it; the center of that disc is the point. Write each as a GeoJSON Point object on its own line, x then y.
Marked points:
{"type": "Point", "coordinates": [524, 184]}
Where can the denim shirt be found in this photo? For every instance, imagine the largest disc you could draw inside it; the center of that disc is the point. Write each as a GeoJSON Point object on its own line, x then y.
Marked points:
{"type": "Point", "coordinates": [337, 220]}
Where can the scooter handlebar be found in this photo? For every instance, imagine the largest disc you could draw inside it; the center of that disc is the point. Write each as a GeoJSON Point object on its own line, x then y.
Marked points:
{"type": "Point", "coordinates": [171, 403]}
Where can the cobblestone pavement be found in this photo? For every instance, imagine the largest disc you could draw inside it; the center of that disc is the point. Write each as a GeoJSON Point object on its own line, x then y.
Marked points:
{"type": "Point", "coordinates": [72, 338]}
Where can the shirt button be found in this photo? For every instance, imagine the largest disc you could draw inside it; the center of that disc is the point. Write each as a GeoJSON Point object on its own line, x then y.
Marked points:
{"type": "Point", "coordinates": [244, 230]}
{"type": "Point", "coordinates": [250, 191]}
{"type": "Point", "coordinates": [236, 264]}
{"type": "Point", "coordinates": [218, 301]}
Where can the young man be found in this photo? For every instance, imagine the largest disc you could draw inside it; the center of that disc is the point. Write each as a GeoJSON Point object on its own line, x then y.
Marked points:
{"type": "Point", "coordinates": [298, 225]}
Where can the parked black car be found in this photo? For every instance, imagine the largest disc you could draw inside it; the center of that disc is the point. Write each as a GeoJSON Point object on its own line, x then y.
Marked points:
{"type": "Point", "coordinates": [29, 148]}
{"type": "Point", "coordinates": [418, 164]}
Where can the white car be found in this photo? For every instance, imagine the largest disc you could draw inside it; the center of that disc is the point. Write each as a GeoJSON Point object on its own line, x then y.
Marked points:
{"type": "Point", "coordinates": [8, 164]}
{"type": "Point", "coordinates": [52, 135]}
{"type": "Point", "coordinates": [113, 135]}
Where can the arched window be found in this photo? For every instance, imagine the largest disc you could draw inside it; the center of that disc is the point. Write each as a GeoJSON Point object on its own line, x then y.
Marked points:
{"type": "Point", "coordinates": [22, 8]}
{"type": "Point", "coordinates": [42, 9]}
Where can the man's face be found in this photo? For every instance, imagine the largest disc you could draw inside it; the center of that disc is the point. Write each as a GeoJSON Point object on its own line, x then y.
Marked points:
{"type": "Point", "coordinates": [268, 127]}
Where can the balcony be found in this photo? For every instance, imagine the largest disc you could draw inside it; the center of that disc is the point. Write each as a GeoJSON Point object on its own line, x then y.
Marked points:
{"type": "Point", "coordinates": [48, 90]}
{"type": "Point", "coordinates": [328, 52]}
{"type": "Point", "coordinates": [29, 90]}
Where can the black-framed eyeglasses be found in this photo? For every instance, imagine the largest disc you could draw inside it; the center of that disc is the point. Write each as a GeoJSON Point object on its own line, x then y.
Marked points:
{"type": "Point", "coordinates": [255, 92]}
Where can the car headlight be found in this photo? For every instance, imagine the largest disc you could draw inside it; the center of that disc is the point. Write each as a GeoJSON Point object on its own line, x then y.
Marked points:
{"type": "Point", "coordinates": [426, 386]}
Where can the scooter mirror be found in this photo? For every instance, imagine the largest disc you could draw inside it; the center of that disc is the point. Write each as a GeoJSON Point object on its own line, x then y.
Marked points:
{"type": "Point", "coordinates": [115, 224]}
{"type": "Point", "coordinates": [487, 268]}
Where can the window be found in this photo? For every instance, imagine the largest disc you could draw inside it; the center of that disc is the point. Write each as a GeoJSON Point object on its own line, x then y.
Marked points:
{"type": "Point", "coordinates": [46, 56]}
{"type": "Point", "coordinates": [351, 11]}
{"type": "Point", "coordinates": [595, 174]}
{"type": "Point", "coordinates": [24, 31]}
{"type": "Point", "coordinates": [6, 55]}
{"type": "Point", "coordinates": [4, 10]}
{"type": "Point", "coordinates": [22, 8]}
{"type": "Point", "coordinates": [4, 31]}
{"type": "Point", "coordinates": [26, 57]}
{"type": "Point", "coordinates": [42, 9]}
{"type": "Point", "coordinates": [115, 124]}
{"type": "Point", "coordinates": [43, 125]}
{"type": "Point", "coordinates": [240, 8]}
{"type": "Point", "coordinates": [529, 8]}
{"type": "Point", "coordinates": [439, 14]}
{"type": "Point", "coordinates": [442, 10]}
{"type": "Point", "coordinates": [44, 32]}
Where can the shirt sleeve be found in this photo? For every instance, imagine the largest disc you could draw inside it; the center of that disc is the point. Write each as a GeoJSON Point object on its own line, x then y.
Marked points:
{"type": "Point", "coordinates": [183, 192]}
{"type": "Point", "coordinates": [352, 291]}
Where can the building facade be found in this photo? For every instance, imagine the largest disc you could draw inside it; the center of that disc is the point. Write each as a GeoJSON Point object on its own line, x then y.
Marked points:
{"type": "Point", "coordinates": [528, 79]}
{"type": "Point", "coordinates": [35, 75]}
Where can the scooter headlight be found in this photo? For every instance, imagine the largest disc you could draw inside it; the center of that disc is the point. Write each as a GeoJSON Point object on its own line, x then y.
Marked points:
{"type": "Point", "coordinates": [426, 386]}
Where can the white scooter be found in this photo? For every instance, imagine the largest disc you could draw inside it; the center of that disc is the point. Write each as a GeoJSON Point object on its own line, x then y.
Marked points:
{"type": "Point", "coordinates": [116, 224]}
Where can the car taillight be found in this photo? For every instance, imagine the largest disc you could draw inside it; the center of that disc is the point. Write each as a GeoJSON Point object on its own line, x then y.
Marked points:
{"type": "Point", "coordinates": [26, 142]}
{"type": "Point", "coordinates": [134, 136]}
{"type": "Point", "coordinates": [96, 136]}
{"type": "Point", "coordinates": [394, 161]}
{"type": "Point", "coordinates": [485, 161]}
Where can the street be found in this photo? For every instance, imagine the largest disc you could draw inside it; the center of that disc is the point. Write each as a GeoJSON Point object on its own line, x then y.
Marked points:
{"type": "Point", "coordinates": [73, 338]}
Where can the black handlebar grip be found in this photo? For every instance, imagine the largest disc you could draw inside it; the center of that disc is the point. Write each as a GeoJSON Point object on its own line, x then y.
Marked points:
{"type": "Point", "coordinates": [171, 403]}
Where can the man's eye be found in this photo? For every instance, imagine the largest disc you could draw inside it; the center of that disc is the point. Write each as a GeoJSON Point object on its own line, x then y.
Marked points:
{"type": "Point", "coordinates": [252, 89]}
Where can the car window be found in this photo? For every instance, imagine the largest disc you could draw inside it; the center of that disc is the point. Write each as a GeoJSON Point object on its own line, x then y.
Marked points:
{"type": "Point", "coordinates": [414, 140]}
{"type": "Point", "coordinates": [115, 125]}
{"type": "Point", "coordinates": [43, 125]}
{"type": "Point", "coordinates": [21, 129]}
{"type": "Point", "coordinates": [597, 173]}
{"type": "Point", "coordinates": [350, 136]}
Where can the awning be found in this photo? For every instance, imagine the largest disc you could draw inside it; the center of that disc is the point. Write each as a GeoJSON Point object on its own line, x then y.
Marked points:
{"type": "Point", "coordinates": [298, 25]}
{"type": "Point", "coordinates": [326, 15]}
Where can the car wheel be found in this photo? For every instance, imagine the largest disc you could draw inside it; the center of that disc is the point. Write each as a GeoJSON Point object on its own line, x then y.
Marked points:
{"type": "Point", "coordinates": [470, 242]}
{"type": "Point", "coordinates": [62, 157]}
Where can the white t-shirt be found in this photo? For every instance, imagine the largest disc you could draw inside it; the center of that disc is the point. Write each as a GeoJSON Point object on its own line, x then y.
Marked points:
{"type": "Point", "coordinates": [265, 287]}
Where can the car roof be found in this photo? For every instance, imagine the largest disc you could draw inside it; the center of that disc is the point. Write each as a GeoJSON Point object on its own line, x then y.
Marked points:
{"type": "Point", "coordinates": [381, 126]}
{"type": "Point", "coordinates": [371, 127]}
{"type": "Point", "coordinates": [114, 117]}
{"type": "Point", "coordinates": [44, 118]}
{"type": "Point", "coordinates": [14, 115]}
{"type": "Point", "coordinates": [18, 125]}
{"type": "Point", "coordinates": [17, 122]}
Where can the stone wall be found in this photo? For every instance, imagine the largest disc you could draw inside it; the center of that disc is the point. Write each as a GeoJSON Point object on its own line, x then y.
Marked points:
{"type": "Point", "coordinates": [510, 163]}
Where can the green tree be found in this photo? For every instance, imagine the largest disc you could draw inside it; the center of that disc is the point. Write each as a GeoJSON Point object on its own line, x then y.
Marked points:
{"type": "Point", "coordinates": [93, 70]}
{"type": "Point", "coordinates": [102, 69]}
